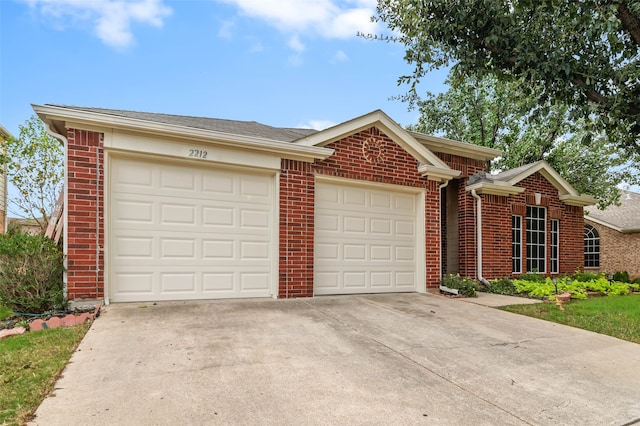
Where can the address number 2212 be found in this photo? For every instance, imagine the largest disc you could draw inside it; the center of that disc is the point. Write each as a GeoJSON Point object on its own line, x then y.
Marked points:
{"type": "Point", "coordinates": [197, 153]}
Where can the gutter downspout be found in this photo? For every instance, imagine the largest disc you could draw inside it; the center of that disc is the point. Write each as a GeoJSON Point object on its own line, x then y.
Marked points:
{"type": "Point", "coordinates": [65, 240]}
{"type": "Point", "coordinates": [443, 186]}
{"type": "Point", "coordinates": [479, 236]}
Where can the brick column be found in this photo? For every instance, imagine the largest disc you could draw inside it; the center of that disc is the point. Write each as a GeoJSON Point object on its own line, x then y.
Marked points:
{"type": "Point", "coordinates": [297, 193]}
{"type": "Point", "coordinates": [85, 211]}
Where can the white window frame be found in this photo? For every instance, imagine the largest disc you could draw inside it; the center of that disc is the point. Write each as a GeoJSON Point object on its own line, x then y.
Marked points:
{"type": "Point", "coordinates": [516, 244]}
{"type": "Point", "coordinates": [554, 242]}
{"type": "Point", "coordinates": [591, 246]}
{"type": "Point", "coordinates": [539, 261]}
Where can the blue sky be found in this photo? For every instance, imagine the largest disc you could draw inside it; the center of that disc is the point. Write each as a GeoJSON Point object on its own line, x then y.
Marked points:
{"type": "Point", "coordinates": [293, 63]}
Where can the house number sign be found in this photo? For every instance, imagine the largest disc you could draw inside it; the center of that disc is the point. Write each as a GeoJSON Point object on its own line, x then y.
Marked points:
{"type": "Point", "coordinates": [197, 153]}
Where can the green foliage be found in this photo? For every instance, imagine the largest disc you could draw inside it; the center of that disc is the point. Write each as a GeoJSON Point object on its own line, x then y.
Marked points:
{"type": "Point", "coordinates": [499, 114]}
{"type": "Point", "coordinates": [5, 313]}
{"type": "Point", "coordinates": [533, 276]}
{"type": "Point", "coordinates": [465, 286]}
{"type": "Point", "coordinates": [621, 276]}
{"type": "Point", "coordinates": [31, 271]}
{"type": "Point", "coordinates": [35, 167]}
{"type": "Point", "coordinates": [501, 286]}
{"type": "Point", "coordinates": [579, 286]}
{"type": "Point", "coordinates": [580, 54]}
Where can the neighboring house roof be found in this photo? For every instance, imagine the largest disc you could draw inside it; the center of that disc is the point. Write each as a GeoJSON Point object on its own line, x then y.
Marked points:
{"type": "Point", "coordinates": [504, 183]}
{"type": "Point", "coordinates": [624, 218]}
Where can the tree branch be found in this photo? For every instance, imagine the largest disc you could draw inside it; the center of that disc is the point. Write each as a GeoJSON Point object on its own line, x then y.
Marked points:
{"type": "Point", "coordinates": [629, 22]}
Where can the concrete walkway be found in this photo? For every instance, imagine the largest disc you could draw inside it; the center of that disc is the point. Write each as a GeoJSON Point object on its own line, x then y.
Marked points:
{"type": "Point", "coordinates": [376, 359]}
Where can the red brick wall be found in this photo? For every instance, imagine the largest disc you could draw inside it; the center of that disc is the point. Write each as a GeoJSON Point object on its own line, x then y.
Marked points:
{"type": "Point", "coordinates": [466, 211]}
{"type": "Point", "coordinates": [296, 229]}
{"type": "Point", "coordinates": [394, 166]}
{"type": "Point", "coordinates": [496, 226]}
{"type": "Point", "coordinates": [618, 252]}
{"type": "Point", "coordinates": [85, 260]}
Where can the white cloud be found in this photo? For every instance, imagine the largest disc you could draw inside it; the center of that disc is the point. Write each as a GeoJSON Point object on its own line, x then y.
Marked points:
{"type": "Point", "coordinates": [339, 56]}
{"type": "Point", "coordinates": [327, 18]}
{"type": "Point", "coordinates": [226, 30]}
{"type": "Point", "coordinates": [296, 44]}
{"type": "Point", "coordinates": [317, 124]}
{"type": "Point", "coordinates": [112, 19]}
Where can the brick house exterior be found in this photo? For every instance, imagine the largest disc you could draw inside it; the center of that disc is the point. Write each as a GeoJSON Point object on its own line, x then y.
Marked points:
{"type": "Point", "coordinates": [618, 230]}
{"type": "Point", "coordinates": [439, 185]}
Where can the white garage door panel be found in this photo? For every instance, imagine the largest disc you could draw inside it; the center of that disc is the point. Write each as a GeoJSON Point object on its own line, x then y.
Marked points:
{"type": "Point", "coordinates": [365, 240]}
{"type": "Point", "coordinates": [181, 232]}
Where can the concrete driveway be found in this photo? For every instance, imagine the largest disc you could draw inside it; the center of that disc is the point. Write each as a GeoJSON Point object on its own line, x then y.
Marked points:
{"type": "Point", "coordinates": [375, 359]}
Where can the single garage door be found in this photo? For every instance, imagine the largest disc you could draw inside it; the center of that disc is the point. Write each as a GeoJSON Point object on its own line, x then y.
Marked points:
{"type": "Point", "coordinates": [181, 231]}
{"type": "Point", "coordinates": [367, 239]}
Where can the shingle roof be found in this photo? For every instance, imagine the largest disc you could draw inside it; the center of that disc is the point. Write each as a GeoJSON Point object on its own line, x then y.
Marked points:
{"type": "Point", "coordinates": [625, 217]}
{"type": "Point", "coordinates": [244, 128]}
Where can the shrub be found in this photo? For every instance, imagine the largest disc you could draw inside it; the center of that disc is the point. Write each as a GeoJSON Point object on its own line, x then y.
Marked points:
{"type": "Point", "coordinates": [465, 286]}
{"type": "Point", "coordinates": [586, 276]}
{"type": "Point", "coordinates": [31, 270]}
{"type": "Point", "coordinates": [501, 286]}
{"type": "Point", "coordinates": [532, 276]}
{"type": "Point", "coordinates": [622, 277]}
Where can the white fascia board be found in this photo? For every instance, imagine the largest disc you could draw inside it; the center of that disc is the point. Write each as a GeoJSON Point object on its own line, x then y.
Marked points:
{"type": "Point", "coordinates": [4, 133]}
{"type": "Point", "coordinates": [563, 187]}
{"type": "Point", "coordinates": [504, 189]}
{"type": "Point", "coordinates": [437, 173]}
{"type": "Point", "coordinates": [578, 200]}
{"type": "Point", "coordinates": [91, 120]}
{"type": "Point", "coordinates": [450, 146]}
{"type": "Point", "coordinates": [383, 122]}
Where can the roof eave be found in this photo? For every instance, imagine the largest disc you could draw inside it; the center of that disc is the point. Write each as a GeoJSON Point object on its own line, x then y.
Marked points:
{"type": "Point", "coordinates": [381, 121]}
{"type": "Point", "coordinates": [437, 173]}
{"type": "Point", "coordinates": [450, 146]}
{"type": "Point", "coordinates": [62, 116]}
{"type": "Point", "coordinates": [578, 200]}
{"type": "Point", "coordinates": [612, 226]}
{"type": "Point", "coordinates": [495, 188]}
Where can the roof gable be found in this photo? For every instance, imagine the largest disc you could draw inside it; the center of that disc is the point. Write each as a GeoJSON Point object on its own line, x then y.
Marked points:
{"type": "Point", "coordinates": [430, 165]}
{"type": "Point", "coordinates": [505, 183]}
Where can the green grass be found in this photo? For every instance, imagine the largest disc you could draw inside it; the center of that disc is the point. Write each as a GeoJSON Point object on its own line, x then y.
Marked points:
{"type": "Point", "coordinates": [29, 367]}
{"type": "Point", "coordinates": [617, 316]}
{"type": "Point", "coordinates": [5, 313]}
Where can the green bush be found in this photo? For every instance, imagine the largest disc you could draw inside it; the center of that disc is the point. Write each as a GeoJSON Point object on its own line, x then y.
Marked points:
{"type": "Point", "coordinates": [465, 286]}
{"type": "Point", "coordinates": [501, 286]}
{"type": "Point", "coordinates": [622, 277]}
{"type": "Point", "coordinates": [31, 271]}
{"type": "Point", "coordinates": [586, 276]}
{"type": "Point", "coordinates": [532, 276]}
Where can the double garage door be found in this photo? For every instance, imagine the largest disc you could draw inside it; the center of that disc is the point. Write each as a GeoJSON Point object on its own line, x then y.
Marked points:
{"type": "Point", "coordinates": [180, 231]}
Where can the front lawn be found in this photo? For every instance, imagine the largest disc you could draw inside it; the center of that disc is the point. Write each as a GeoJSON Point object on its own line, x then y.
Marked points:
{"type": "Point", "coordinates": [29, 367]}
{"type": "Point", "coordinates": [617, 316]}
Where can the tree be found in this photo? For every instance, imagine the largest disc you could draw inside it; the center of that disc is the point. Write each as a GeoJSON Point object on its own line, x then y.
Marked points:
{"type": "Point", "coordinates": [35, 168]}
{"type": "Point", "coordinates": [499, 114]}
{"type": "Point", "coordinates": [584, 54]}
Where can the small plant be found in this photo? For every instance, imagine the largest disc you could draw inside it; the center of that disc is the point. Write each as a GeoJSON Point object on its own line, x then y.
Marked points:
{"type": "Point", "coordinates": [31, 269]}
{"type": "Point", "coordinates": [622, 277]}
{"type": "Point", "coordinates": [533, 276]}
{"type": "Point", "coordinates": [465, 286]}
{"type": "Point", "coordinates": [501, 286]}
{"type": "Point", "coordinates": [586, 276]}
